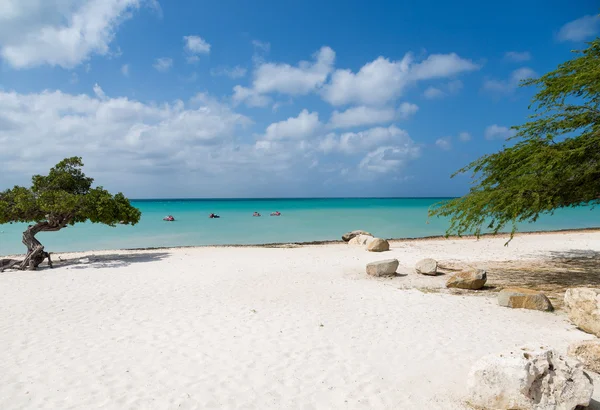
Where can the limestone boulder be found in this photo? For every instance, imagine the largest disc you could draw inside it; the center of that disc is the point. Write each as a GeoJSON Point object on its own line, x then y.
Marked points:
{"type": "Point", "coordinates": [583, 307]}
{"type": "Point", "coordinates": [521, 298]}
{"type": "Point", "coordinates": [360, 240]}
{"type": "Point", "coordinates": [378, 245]}
{"type": "Point", "coordinates": [347, 236]}
{"type": "Point", "coordinates": [588, 353]}
{"type": "Point", "coordinates": [386, 267]}
{"type": "Point", "coordinates": [472, 280]}
{"type": "Point", "coordinates": [529, 378]}
{"type": "Point", "coordinates": [427, 267]}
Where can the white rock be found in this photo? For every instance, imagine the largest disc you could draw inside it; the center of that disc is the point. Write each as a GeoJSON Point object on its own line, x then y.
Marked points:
{"type": "Point", "coordinates": [427, 267]}
{"type": "Point", "coordinates": [529, 379]}
{"type": "Point", "coordinates": [360, 240]}
{"type": "Point", "coordinates": [583, 307]}
{"type": "Point", "coordinates": [383, 268]}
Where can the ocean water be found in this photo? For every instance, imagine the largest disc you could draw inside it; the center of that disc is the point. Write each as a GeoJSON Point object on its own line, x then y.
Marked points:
{"type": "Point", "coordinates": [302, 220]}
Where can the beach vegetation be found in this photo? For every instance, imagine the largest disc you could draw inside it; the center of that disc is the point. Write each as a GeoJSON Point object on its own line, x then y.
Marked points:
{"type": "Point", "coordinates": [63, 197]}
{"type": "Point", "coordinates": [552, 163]}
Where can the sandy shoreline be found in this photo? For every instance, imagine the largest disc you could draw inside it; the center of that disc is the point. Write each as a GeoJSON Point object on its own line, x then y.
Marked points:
{"type": "Point", "coordinates": [271, 327]}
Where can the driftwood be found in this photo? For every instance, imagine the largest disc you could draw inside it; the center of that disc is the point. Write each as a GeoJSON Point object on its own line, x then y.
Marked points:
{"type": "Point", "coordinates": [35, 250]}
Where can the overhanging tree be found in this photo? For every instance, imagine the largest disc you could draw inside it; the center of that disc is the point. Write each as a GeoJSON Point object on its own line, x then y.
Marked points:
{"type": "Point", "coordinates": [54, 201]}
{"type": "Point", "coordinates": [554, 164]}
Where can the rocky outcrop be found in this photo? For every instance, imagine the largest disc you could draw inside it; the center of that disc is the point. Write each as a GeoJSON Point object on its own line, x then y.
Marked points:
{"type": "Point", "coordinates": [427, 267]}
{"type": "Point", "coordinates": [521, 298]}
{"type": "Point", "coordinates": [383, 268]}
{"type": "Point", "coordinates": [472, 280]}
{"type": "Point", "coordinates": [529, 378]}
{"type": "Point", "coordinates": [360, 240]}
{"type": "Point", "coordinates": [378, 245]}
{"type": "Point", "coordinates": [583, 307]}
{"type": "Point", "coordinates": [347, 236]}
{"type": "Point", "coordinates": [588, 353]}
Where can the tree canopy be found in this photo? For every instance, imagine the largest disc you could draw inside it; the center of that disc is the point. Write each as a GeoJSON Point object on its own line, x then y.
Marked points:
{"type": "Point", "coordinates": [555, 162]}
{"type": "Point", "coordinates": [63, 197]}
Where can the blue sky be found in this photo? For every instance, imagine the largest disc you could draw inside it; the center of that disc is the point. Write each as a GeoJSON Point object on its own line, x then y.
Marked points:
{"type": "Point", "coordinates": [272, 98]}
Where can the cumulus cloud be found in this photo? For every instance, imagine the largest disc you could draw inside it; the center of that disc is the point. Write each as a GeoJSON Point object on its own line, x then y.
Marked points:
{"type": "Point", "coordinates": [193, 46]}
{"type": "Point", "coordinates": [464, 136]}
{"type": "Point", "coordinates": [163, 64]}
{"type": "Point", "coordinates": [444, 143]}
{"type": "Point", "coordinates": [352, 143]}
{"type": "Point", "coordinates": [452, 87]}
{"type": "Point", "coordinates": [303, 126]}
{"type": "Point", "coordinates": [389, 159]}
{"type": "Point", "coordinates": [286, 79]}
{"type": "Point", "coordinates": [510, 85]}
{"type": "Point", "coordinates": [381, 81]}
{"type": "Point", "coordinates": [497, 132]}
{"type": "Point", "coordinates": [250, 97]}
{"type": "Point", "coordinates": [517, 56]}
{"type": "Point", "coordinates": [365, 115]}
{"type": "Point", "coordinates": [231, 72]}
{"type": "Point", "coordinates": [61, 33]}
{"type": "Point", "coordinates": [579, 30]}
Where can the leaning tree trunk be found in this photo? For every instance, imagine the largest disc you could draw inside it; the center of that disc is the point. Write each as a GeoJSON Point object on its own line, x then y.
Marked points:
{"type": "Point", "coordinates": [35, 250]}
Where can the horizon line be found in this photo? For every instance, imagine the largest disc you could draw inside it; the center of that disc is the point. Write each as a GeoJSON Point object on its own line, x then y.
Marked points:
{"type": "Point", "coordinates": [290, 198]}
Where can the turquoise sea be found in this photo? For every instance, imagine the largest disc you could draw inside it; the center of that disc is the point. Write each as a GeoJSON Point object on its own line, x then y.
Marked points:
{"type": "Point", "coordinates": [301, 220]}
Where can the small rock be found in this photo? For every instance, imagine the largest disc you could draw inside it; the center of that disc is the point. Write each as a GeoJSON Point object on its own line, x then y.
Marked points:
{"type": "Point", "coordinates": [378, 245]}
{"type": "Point", "coordinates": [360, 240]}
{"type": "Point", "coordinates": [588, 353]}
{"type": "Point", "coordinates": [472, 280]}
{"type": "Point", "coordinates": [583, 307]}
{"type": "Point", "coordinates": [427, 267]}
{"type": "Point", "coordinates": [347, 236]}
{"type": "Point", "coordinates": [527, 378]}
{"type": "Point", "coordinates": [524, 299]}
{"type": "Point", "coordinates": [383, 268]}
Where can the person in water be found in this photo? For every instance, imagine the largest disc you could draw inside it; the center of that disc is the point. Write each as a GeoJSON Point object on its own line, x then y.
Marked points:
{"type": "Point", "coordinates": [213, 216]}
{"type": "Point", "coordinates": [255, 214]}
{"type": "Point", "coordinates": [276, 213]}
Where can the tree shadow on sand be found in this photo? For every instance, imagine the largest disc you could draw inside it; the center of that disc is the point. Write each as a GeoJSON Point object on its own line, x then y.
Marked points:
{"type": "Point", "coordinates": [113, 260]}
{"type": "Point", "coordinates": [552, 272]}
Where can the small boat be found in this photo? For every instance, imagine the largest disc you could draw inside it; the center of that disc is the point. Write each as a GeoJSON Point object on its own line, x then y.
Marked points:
{"type": "Point", "coordinates": [169, 218]}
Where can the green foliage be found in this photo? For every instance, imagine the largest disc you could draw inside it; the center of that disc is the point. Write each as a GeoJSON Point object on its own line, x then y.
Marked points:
{"type": "Point", "coordinates": [555, 162]}
{"type": "Point", "coordinates": [65, 197]}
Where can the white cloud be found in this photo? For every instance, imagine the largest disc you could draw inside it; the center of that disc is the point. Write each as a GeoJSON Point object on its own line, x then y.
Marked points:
{"type": "Point", "coordinates": [118, 133]}
{"type": "Point", "coordinates": [388, 159]}
{"type": "Point", "coordinates": [444, 143]}
{"type": "Point", "coordinates": [365, 115]}
{"type": "Point", "coordinates": [59, 32]}
{"type": "Point", "coordinates": [250, 97]}
{"type": "Point", "coordinates": [301, 127]}
{"type": "Point", "coordinates": [382, 80]}
{"type": "Point", "coordinates": [580, 29]}
{"type": "Point", "coordinates": [432, 93]}
{"type": "Point", "coordinates": [407, 110]}
{"type": "Point", "coordinates": [99, 92]}
{"type": "Point", "coordinates": [497, 132]}
{"type": "Point", "coordinates": [510, 85]}
{"type": "Point", "coordinates": [300, 80]}
{"type": "Point", "coordinates": [517, 56]}
{"type": "Point", "coordinates": [352, 143]}
{"type": "Point", "coordinates": [194, 45]}
{"type": "Point", "coordinates": [163, 64]}
{"type": "Point", "coordinates": [125, 70]}
{"type": "Point", "coordinates": [452, 87]}
{"type": "Point", "coordinates": [464, 136]}
{"type": "Point", "coordinates": [231, 72]}
{"type": "Point", "coordinates": [286, 79]}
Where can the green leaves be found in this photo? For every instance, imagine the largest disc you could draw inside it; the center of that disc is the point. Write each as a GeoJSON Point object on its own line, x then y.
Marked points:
{"type": "Point", "coordinates": [65, 197]}
{"type": "Point", "coordinates": [555, 162]}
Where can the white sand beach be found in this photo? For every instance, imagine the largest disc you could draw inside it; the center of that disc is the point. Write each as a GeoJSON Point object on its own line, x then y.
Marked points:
{"type": "Point", "coordinates": [265, 328]}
